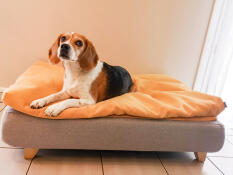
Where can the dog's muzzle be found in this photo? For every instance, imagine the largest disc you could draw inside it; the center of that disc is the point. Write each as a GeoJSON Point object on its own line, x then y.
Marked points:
{"type": "Point", "coordinates": [64, 51]}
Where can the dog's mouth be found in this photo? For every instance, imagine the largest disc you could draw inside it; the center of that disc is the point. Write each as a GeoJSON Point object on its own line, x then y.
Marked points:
{"type": "Point", "coordinates": [64, 55]}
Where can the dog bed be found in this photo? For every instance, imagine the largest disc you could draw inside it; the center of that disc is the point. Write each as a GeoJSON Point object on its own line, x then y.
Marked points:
{"type": "Point", "coordinates": [156, 96]}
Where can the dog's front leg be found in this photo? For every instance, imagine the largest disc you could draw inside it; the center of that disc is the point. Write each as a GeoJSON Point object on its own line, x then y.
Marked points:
{"type": "Point", "coordinates": [57, 108]}
{"type": "Point", "coordinates": [36, 104]}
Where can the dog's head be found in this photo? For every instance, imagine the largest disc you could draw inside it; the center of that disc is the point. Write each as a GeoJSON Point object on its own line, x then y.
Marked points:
{"type": "Point", "coordinates": [74, 47]}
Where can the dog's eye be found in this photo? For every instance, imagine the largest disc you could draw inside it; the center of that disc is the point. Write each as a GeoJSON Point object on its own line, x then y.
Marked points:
{"type": "Point", "coordinates": [79, 43]}
{"type": "Point", "coordinates": [63, 38]}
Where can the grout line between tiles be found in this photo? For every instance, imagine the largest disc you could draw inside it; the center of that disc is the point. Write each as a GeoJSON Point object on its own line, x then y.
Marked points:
{"type": "Point", "coordinates": [2, 108]}
{"type": "Point", "coordinates": [102, 162]}
{"type": "Point", "coordinates": [29, 166]}
{"type": "Point", "coordinates": [215, 165]}
{"type": "Point", "coordinates": [161, 163]}
{"type": "Point", "coordinates": [229, 141]}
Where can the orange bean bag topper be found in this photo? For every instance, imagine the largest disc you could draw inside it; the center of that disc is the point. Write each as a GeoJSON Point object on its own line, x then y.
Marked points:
{"type": "Point", "coordinates": [157, 96]}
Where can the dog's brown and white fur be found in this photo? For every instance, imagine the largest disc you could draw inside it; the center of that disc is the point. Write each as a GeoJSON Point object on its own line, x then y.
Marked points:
{"type": "Point", "coordinates": [87, 80]}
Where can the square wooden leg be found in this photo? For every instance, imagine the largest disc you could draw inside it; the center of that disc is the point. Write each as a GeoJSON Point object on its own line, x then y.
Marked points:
{"type": "Point", "coordinates": [200, 156]}
{"type": "Point", "coordinates": [30, 153]}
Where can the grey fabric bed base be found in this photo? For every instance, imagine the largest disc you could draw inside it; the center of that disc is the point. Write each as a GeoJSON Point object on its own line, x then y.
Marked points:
{"type": "Point", "coordinates": [111, 133]}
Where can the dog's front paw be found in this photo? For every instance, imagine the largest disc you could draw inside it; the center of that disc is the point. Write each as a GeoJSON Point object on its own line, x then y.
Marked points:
{"type": "Point", "coordinates": [36, 104]}
{"type": "Point", "coordinates": [53, 110]}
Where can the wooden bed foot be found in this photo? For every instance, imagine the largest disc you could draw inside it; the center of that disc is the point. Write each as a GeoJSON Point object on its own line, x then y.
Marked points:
{"type": "Point", "coordinates": [30, 153]}
{"type": "Point", "coordinates": [200, 156]}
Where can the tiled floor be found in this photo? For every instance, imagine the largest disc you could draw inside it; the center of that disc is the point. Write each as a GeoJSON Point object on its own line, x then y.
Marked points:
{"type": "Point", "coordinates": [69, 162]}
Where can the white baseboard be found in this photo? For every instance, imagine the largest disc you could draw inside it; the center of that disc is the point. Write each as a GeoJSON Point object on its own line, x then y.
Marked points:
{"type": "Point", "coordinates": [2, 89]}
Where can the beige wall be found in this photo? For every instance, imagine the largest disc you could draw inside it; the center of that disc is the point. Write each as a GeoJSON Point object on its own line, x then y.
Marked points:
{"type": "Point", "coordinates": [146, 36]}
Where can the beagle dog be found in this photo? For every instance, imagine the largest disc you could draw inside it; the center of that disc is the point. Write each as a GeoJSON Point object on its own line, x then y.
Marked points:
{"type": "Point", "coordinates": [87, 80]}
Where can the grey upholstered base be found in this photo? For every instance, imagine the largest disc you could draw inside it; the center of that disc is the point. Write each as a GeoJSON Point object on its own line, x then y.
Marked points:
{"type": "Point", "coordinates": [117, 133]}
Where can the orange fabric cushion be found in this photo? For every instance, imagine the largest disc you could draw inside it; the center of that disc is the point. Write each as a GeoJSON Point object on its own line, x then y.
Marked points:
{"type": "Point", "coordinates": [157, 96]}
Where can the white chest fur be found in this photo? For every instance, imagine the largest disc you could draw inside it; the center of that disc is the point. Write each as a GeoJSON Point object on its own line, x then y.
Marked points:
{"type": "Point", "coordinates": [78, 82]}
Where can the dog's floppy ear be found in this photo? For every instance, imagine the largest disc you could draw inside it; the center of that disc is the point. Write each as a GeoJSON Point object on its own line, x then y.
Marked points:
{"type": "Point", "coordinates": [88, 58]}
{"type": "Point", "coordinates": [53, 51]}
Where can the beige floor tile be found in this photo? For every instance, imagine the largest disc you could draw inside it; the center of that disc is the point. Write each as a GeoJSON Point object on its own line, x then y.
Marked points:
{"type": "Point", "coordinates": [2, 105]}
{"type": "Point", "coordinates": [12, 162]}
{"type": "Point", "coordinates": [131, 163]}
{"type": "Point", "coordinates": [226, 151]}
{"type": "Point", "coordinates": [224, 164]}
{"type": "Point", "coordinates": [66, 162]}
{"type": "Point", "coordinates": [229, 132]}
{"type": "Point", "coordinates": [229, 124]}
{"type": "Point", "coordinates": [177, 163]}
{"type": "Point", "coordinates": [230, 139]}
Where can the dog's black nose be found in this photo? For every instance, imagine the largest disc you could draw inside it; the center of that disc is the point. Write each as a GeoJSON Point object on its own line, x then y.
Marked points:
{"type": "Point", "coordinates": [65, 46]}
